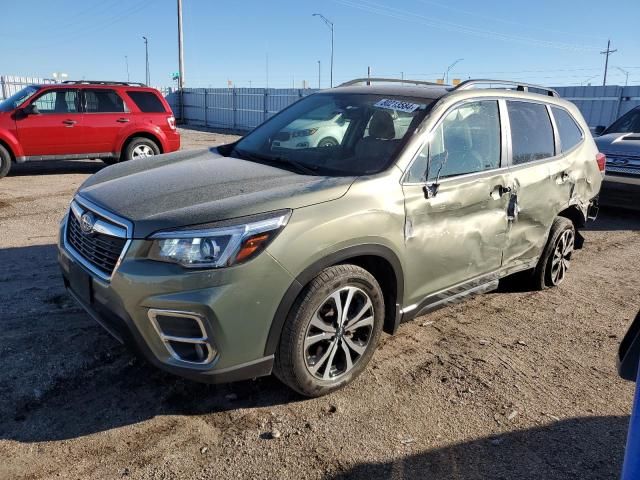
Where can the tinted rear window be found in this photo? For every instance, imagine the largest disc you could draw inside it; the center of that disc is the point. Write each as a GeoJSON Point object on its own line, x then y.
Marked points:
{"type": "Point", "coordinates": [531, 132]}
{"type": "Point", "coordinates": [570, 133]}
{"type": "Point", "coordinates": [147, 102]}
{"type": "Point", "coordinates": [103, 101]}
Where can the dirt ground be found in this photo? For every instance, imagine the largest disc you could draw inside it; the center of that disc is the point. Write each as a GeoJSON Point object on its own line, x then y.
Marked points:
{"type": "Point", "coordinates": [509, 385]}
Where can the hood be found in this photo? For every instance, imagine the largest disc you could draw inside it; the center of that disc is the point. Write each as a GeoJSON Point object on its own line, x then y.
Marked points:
{"type": "Point", "coordinates": [202, 186]}
{"type": "Point", "coordinates": [619, 143]}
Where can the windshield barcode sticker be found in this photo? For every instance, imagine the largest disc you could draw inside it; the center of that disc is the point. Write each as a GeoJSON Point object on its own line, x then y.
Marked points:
{"type": "Point", "coordinates": [398, 105]}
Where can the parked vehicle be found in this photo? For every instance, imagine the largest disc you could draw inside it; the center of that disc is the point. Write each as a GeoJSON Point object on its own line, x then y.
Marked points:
{"type": "Point", "coordinates": [620, 142]}
{"type": "Point", "coordinates": [629, 369]}
{"type": "Point", "coordinates": [251, 257]}
{"type": "Point", "coordinates": [112, 121]}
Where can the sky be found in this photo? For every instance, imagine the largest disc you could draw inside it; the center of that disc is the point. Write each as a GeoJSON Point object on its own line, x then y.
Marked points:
{"type": "Point", "coordinates": [279, 42]}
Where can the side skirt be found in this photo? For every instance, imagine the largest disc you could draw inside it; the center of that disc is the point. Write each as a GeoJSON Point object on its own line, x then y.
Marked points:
{"type": "Point", "coordinates": [74, 156]}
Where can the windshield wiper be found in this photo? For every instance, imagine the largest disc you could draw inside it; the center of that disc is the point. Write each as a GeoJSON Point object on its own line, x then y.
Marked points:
{"type": "Point", "coordinates": [301, 167]}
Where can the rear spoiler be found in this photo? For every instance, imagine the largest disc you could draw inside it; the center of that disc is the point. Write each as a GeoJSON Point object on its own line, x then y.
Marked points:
{"type": "Point", "coordinates": [629, 352]}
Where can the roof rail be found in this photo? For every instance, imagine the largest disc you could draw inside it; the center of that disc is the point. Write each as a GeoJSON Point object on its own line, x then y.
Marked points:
{"type": "Point", "coordinates": [104, 82]}
{"type": "Point", "coordinates": [520, 86]}
{"type": "Point", "coordinates": [370, 80]}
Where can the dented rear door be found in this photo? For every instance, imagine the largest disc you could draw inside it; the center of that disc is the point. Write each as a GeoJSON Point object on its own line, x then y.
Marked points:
{"type": "Point", "coordinates": [539, 179]}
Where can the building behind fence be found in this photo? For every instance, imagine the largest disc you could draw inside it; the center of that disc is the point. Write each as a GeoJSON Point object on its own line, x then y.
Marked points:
{"type": "Point", "coordinates": [242, 109]}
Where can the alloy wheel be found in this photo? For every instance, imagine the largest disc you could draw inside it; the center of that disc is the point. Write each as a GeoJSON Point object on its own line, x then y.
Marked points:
{"type": "Point", "coordinates": [142, 151]}
{"type": "Point", "coordinates": [562, 256]}
{"type": "Point", "coordinates": [339, 333]}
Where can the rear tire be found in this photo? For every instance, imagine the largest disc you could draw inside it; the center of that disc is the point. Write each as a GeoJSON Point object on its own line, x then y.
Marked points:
{"type": "Point", "coordinates": [5, 162]}
{"type": "Point", "coordinates": [316, 339]}
{"type": "Point", "coordinates": [554, 262]}
{"type": "Point", "coordinates": [140, 147]}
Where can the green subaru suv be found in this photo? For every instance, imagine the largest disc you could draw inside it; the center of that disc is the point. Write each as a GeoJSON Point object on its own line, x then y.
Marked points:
{"type": "Point", "coordinates": [276, 254]}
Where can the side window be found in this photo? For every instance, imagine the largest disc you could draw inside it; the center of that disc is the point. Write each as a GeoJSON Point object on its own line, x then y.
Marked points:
{"type": "Point", "coordinates": [147, 102]}
{"type": "Point", "coordinates": [531, 132]}
{"type": "Point", "coordinates": [57, 101]}
{"type": "Point", "coordinates": [570, 134]}
{"type": "Point", "coordinates": [103, 101]}
{"type": "Point", "coordinates": [467, 141]}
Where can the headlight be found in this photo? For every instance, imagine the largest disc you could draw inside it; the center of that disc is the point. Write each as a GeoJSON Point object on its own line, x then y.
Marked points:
{"type": "Point", "coordinates": [304, 133]}
{"type": "Point", "coordinates": [217, 247]}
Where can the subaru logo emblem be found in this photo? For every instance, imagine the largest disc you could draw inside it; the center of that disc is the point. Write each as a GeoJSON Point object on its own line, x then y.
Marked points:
{"type": "Point", "coordinates": [86, 222]}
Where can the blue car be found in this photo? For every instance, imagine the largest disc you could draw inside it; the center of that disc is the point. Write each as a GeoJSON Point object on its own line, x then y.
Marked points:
{"type": "Point", "coordinates": [629, 369]}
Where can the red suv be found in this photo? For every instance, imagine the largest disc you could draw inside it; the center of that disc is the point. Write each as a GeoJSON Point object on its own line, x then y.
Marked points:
{"type": "Point", "coordinates": [112, 121]}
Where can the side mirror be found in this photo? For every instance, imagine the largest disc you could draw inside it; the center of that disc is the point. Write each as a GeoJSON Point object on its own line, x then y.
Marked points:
{"type": "Point", "coordinates": [599, 129]}
{"type": "Point", "coordinates": [31, 109]}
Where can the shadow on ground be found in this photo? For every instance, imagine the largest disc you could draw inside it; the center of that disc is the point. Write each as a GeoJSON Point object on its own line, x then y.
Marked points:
{"type": "Point", "coordinates": [585, 448]}
{"type": "Point", "coordinates": [55, 167]}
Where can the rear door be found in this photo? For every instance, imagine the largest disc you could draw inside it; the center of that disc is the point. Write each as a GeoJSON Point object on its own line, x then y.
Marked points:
{"type": "Point", "coordinates": [457, 234]}
{"type": "Point", "coordinates": [57, 129]}
{"type": "Point", "coordinates": [106, 115]}
{"type": "Point", "coordinates": [539, 180]}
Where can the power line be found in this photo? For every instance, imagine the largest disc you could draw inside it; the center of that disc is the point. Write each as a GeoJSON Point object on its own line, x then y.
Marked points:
{"type": "Point", "coordinates": [405, 15]}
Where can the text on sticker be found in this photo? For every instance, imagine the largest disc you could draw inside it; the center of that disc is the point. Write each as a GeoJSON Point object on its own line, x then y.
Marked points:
{"type": "Point", "coordinates": [398, 105]}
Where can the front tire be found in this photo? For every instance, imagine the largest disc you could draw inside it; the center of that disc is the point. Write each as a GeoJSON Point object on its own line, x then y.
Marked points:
{"type": "Point", "coordinates": [5, 162]}
{"type": "Point", "coordinates": [140, 147]}
{"type": "Point", "coordinates": [332, 331]}
{"type": "Point", "coordinates": [328, 142]}
{"type": "Point", "coordinates": [554, 262]}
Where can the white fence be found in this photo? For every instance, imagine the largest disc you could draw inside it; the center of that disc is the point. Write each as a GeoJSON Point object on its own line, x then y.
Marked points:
{"type": "Point", "coordinates": [10, 84]}
{"type": "Point", "coordinates": [602, 105]}
{"type": "Point", "coordinates": [232, 108]}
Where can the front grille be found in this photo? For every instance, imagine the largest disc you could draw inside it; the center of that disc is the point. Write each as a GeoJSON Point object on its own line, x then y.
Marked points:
{"type": "Point", "coordinates": [100, 250]}
{"type": "Point", "coordinates": [282, 136]}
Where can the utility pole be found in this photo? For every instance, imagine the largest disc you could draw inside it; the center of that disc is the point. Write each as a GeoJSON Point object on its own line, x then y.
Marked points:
{"type": "Point", "coordinates": [180, 48]}
{"type": "Point", "coordinates": [146, 56]}
{"type": "Point", "coordinates": [318, 74]}
{"type": "Point", "coordinates": [606, 53]}
{"type": "Point", "coordinates": [329, 24]}
{"type": "Point", "coordinates": [368, 75]}
{"type": "Point", "coordinates": [126, 61]}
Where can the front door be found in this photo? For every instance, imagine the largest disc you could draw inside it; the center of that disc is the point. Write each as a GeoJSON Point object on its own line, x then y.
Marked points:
{"type": "Point", "coordinates": [458, 234]}
{"type": "Point", "coordinates": [56, 130]}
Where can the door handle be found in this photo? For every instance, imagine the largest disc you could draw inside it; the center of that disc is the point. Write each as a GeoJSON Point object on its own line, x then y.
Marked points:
{"type": "Point", "coordinates": [69, 123]}
{"type": "Point", "coordinates": [122, 120]}
{"type": "Point", "coordinates": [499, 190]}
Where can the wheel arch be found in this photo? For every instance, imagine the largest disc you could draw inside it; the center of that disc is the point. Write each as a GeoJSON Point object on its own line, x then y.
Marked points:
{"type": "Point", "coordinates": [378, 260]}
{"type": "Point", "coordinates": [144, 134]}
{"type": "Point", "coordinates": [9, 149]}
{"type": "Point", "coordinates": [579, 220]}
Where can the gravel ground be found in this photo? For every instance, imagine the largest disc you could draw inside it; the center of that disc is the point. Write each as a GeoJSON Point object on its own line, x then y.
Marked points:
{"type": "Point", "coordinates": [510, 385]}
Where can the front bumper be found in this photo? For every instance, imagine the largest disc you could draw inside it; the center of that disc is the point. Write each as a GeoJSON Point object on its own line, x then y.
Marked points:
{"type": "Point", "coordinates": [620, 191]}
{"type": "Point", "coordinates": [237, 306]}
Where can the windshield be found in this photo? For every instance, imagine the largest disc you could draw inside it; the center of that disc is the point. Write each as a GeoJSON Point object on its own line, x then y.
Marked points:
{"type": "Point", "coordinates": [628, 123]}
{"type": "Point", "coordinates": [336, 133]}
{"type": "Point", "coordinates": [17, 98]}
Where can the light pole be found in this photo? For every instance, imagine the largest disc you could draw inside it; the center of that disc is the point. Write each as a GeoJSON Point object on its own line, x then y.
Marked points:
{"type": "Point", "coordinates": [445, 77]}
{"type": "Point", "coordinates": [588, 80]}
{"type": "Point", "coordinates": [180, 48]}
{"type": "Point", "coordinates": [126, 61]}
{"type": "Point", "coordinates": [146, 56]}
{"type": "Point", "coordinates": [329, 24]}
{"type": "Point", "coordinates": [626, 75]}
{"type": "Point", "coordinates": [318, 74]}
